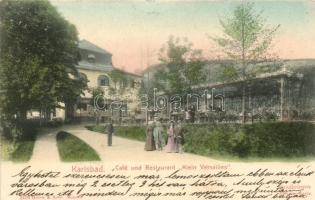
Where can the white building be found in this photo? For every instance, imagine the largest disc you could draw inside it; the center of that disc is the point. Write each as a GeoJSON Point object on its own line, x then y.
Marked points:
{"type": "Point", "coordinates": [95, 64]}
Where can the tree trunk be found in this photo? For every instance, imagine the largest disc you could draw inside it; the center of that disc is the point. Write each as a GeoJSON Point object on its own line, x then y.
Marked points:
{"type": "Point", "coordinates": [96, 118]}
{"type": "Point", "coordinates": [243, 103]}
{"type": "Point", "coordinates": [243, 70]}
{"type": "Point", "coordinates": [69, 111]}
{"type": "Point", "coordinates": [40, 117]}
{"type": "Point", "coordinates": [282, 98]}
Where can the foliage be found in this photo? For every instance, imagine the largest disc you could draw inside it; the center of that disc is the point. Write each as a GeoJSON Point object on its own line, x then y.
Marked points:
{"type": "Point", "coordinates": [99, 128]}
{"type": "Point", "coordinates": [246, 36]}
{"type": "Point", "coordinates": [6, 149]}
{"type": "Point", "coordinates": [183, 67]}
{"type": "Point", "coordinates": [273, 139]}
{"type": "Point", "coordinates": [38, 54]}
{"type": "Point", "coordinates": [269, 139]}
{"type": "Point", "coordinates": [131, 132]}
{"type": "Point", "coordinates": [23, 151]}
{"type": "Point", "coordinates": [20, 148]}
{"type": "Point", "coordinates": [96, 92]}
{"type": "Point", "coordinates": [246, 39]}
{"type": "Point", "coordinates": [229, 73]}
{"type": "Point", "coordinates": [72, 149]}
{"type": "Point", "coordinates": [118, 76]}
{"type": "Point", "coordinates": [97, 101]}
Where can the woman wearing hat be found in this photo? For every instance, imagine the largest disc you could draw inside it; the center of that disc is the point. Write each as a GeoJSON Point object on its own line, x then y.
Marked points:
{"type": "Point", "coordinates": [149, 144]}
{"type": "Point", "coordinates": [170, 147]}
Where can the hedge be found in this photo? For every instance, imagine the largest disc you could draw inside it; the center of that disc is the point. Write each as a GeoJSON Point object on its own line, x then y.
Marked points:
{"type": "Point", "coordinates": [269, 139]}
{"type": "Point", "coordinates": [273, 139]}
{"type": "Point", "coordinates": [130, 132]}
{"type": "Point", "coordinates": [20, 141]}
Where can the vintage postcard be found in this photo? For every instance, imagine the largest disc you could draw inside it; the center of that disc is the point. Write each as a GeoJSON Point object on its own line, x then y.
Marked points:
{"type": "Point", "coordinates": [157, 99]}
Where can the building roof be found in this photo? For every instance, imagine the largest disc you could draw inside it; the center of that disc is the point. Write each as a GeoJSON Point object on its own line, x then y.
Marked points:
{"type": "Point", "coordinates": [84, 44]}
{"type": "Point", "coordinates": [127, 73]}
{"type": "Point", "coordinates": [284, 72]}
{"type": "Point", "coordinates": [94, 66]}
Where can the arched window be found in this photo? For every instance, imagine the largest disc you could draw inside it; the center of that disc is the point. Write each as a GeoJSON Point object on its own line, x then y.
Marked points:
{"type": "Point", "coordinates": [103, 80]}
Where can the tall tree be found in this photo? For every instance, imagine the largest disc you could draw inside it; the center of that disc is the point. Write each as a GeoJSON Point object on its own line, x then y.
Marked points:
{"type": "Point", "coordinates": [38, 52]}
{"type": "Point", "coordinates": [183, 66]}
{"type": "Point", "coordinates": [247, 38]}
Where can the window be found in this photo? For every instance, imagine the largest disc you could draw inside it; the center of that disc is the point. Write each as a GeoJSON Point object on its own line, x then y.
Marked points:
{"type": "Point", "coordinates": [103, 80]}
{"type": "Point", "coordinates": [123, 84]}
{"type": "Point", "coordinates": [91, 58]}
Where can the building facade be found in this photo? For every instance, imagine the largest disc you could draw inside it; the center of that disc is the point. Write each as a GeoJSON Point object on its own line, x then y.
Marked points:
{"type": "Point", "coordinates": [95, 65]}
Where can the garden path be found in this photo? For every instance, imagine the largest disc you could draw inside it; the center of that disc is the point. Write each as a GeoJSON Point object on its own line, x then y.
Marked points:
{"type": "Point", "coordinates": [45, 149]}
{"type": "Point", "coordinates": [129, 150]}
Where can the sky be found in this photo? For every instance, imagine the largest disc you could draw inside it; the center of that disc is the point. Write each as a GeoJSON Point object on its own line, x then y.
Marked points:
{"type": "Point", "coordinates": [134, 31]}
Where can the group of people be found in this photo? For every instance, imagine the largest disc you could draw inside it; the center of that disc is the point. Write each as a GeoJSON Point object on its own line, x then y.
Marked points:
{"type": "Point", "coordinates": [155, 139]}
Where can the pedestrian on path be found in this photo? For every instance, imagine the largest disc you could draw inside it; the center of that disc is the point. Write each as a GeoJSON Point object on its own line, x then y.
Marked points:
{"type": "Point", "coordinates": [158, 135]}
{"type": "Point", "coordinates": [110, 131]}
{"type": "Point", "coordinates": [149, 144]}
{"type": "Point", "coordinates": [170, 147]}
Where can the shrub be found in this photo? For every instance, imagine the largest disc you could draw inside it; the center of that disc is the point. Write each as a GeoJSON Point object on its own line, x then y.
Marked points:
{"type": "Point", "coordinates": [269, 139]}
{"type": "Point", "coordinates": [281, 139]}
{"type": "Point", "coordinates": [98, 128]}
{"type": "Point", "coordinates": [131, 132]}
{"type": "Point", "coordinates": [23, 151]}
{"type": "Point", "coordinates": [272, 139]}
{"type": "Point", "coordinates": [55, 122]}
{"type": "Point", "coordinates": [28, 130]}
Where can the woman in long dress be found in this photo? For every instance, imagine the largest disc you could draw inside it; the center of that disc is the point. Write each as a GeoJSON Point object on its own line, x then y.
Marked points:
{"type": "Point", "coordinates": [170, 147]}
{"type": "Point", "coordinates": [149, 144]}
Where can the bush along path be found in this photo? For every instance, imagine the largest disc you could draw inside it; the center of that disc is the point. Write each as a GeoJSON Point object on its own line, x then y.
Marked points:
{"type": "Point", "coordinates": [260, 140]}
{"type": "Point", "coordinates": [271, 141]}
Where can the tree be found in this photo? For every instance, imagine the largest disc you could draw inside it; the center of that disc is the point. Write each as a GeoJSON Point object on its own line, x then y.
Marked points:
{"type": "Point", "coordinates": [118, 76]}
{"type": "Point", "coordinates": [247, 39]}
{"type": "Point", "coordinates": [179, 69]}
{"type": "Point", "coordinates": [38, 52]}
{"type": "Point", "coordinates": [97, 101]}
{"type": "Point", "coordinates": [183, 66]}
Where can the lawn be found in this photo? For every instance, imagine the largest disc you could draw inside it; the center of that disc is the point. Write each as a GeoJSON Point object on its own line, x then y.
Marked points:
{"type": "Point", "coordinates": [23, 151]}
{"type": "Point", "coordinates": [20, 151]}
{"type": "Point", "coordinates": [6, 149]}
{"type": "Point", "coordinates": [72, 149]}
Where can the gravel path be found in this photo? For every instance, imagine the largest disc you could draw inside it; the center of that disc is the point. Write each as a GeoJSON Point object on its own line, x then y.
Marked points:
{"type": "Point", "coordinates": [45, 149]}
